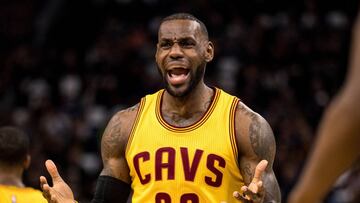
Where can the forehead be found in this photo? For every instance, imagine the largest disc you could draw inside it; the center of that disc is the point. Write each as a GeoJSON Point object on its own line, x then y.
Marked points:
{"type": "Point", "coordinates": [174, 29]}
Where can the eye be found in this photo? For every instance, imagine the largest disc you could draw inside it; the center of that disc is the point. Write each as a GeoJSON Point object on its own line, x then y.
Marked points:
{"type": "Point", "coordinates": [165, 44]}
{"type": "Point", "coordinates": [187, 43]}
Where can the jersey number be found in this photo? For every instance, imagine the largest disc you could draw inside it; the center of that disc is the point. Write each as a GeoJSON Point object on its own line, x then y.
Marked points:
{"type": "Point", "coordinates": [162, 197]}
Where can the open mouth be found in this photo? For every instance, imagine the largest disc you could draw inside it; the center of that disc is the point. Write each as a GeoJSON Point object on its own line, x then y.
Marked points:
{"type": "Point", "coordinates": [178, 76]}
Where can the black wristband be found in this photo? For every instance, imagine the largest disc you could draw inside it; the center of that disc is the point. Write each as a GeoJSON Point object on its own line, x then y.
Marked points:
{"type": "Point", "coordinates": [109, 189]}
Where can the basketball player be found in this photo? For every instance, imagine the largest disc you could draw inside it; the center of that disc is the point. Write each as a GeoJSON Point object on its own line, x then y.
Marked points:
{"type": "Point", "coordinates": [186, 143]}
{"type": "Point", "coordinates": [338, 141]}
{"type": "Point", "coordinates": [14, 159]}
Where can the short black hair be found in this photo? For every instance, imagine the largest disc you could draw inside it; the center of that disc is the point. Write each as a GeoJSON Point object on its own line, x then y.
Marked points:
{"type": "Point", "coordinates": [14, 145]}
{"type": "Point", "coordinates": [187, 16]}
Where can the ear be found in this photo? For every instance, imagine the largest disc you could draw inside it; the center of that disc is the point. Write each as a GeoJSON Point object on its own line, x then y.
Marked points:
{"type": "Point", "coordinates": [27, 161]}
{"type": "Point", "coordinates": [209, 52]}
{"type": "Point", "coordinates": [156, 53]}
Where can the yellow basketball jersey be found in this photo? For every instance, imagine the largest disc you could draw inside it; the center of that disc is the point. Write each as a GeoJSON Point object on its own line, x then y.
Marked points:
{"type": "Point", "coordinates": [12, 194]}
{"type": "Point", "coordinates": [197, 163]}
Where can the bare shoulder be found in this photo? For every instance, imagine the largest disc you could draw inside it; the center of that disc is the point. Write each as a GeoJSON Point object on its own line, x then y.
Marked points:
{"type": "Point", "coordinates": [114, 140]}
{"type": "Point", "coordinates": [127, 118]}
{"type": "Point", "coordinates": [118, 129]}
{"type": "Point", "coordinates": [254, 134]}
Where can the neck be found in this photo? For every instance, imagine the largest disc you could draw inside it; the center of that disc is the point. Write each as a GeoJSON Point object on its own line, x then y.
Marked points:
{"type": "Point", "coordinates": [11, 176]}
{"type": "Point", "coordinates": [195, 102]}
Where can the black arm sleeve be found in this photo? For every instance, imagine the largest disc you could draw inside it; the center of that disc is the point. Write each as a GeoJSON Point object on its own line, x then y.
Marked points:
{"type": "Point", "coordinates": [109, 189]}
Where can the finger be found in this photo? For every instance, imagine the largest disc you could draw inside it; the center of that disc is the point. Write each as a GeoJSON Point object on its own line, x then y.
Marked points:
{"type": "Point", "coordinates": [253, 187]}
{"type": "Point", "coordinates": [252, 197]}
{"type": "Point", "coordinates": [42, 181]}
{"type": "Point", "coordinates": [246, 193]}
{"type": "Point", "coordinates": [259, 170]}
{"type": "Point", "coordinates": [46, 191]}
{"type": "Point", "coordinates": [239, 196]}
{"type": "Point", "coordinates": [53, 199]}
{"type": "Point", "coordinates": [236, 194]}
{"type": "Point", "coordinates": [51, 168]}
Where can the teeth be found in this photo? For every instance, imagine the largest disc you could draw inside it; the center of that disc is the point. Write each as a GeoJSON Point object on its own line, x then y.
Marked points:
{"type": "Point", "coordinates": [175, 75]}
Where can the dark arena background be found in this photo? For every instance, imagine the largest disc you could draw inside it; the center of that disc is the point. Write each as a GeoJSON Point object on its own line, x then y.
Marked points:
{"type": "Point", "coordinates": [67, 66]}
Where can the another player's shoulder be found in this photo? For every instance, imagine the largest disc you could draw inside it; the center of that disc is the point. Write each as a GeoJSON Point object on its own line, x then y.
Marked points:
{"type": "Point", "coordinates": [20, 194]}
{"type": "Point", "coordinates": [35, 195]}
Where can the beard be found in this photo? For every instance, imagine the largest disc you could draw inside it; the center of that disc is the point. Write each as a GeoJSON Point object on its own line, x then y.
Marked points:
{"type": "Point", "coordinates": [195, 77]}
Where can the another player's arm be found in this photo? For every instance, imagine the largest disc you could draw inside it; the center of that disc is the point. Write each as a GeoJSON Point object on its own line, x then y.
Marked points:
{"type": "Point", "coordinates": [338, 132]}
{"type": "Point", "coordinates": [114, 181]}
{"type": "Point", "coordinates": [256, 142]}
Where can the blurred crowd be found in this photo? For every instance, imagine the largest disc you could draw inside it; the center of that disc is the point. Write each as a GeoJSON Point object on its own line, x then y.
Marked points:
{"type": "Point", "coordinates": [67, 66]}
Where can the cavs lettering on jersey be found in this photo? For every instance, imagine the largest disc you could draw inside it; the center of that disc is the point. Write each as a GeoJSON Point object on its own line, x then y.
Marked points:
{"type": "Point", "coordinates": [13, 194]}
{"type": "Point", "coordinates": [197, 163]}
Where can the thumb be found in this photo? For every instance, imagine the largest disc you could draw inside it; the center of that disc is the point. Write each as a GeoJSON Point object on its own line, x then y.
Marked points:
{"type": "Point", "coordinates": [51, 168]}
{"type": "Point", "coordinates": [259, 170]}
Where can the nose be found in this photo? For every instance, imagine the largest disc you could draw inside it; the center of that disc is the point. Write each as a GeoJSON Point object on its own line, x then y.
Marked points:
{"type": "Point", "coordinates": [176, 51]}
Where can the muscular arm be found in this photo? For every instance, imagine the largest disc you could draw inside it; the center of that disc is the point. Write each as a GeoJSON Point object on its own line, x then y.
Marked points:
{"type": "Point", "coordinates": [115, 173]}
{"type": "Point", "coordinates": [256, 142]}
{"type": "Point", "coordinates": [113, 183]}
{"type": "Point", "coordinates": [113, 145]}
{"type": "Point", "coordinates": [338, 139]}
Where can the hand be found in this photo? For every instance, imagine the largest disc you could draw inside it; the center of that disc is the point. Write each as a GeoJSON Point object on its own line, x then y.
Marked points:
{"type": "Point", "coordinates": [60, 192]}
{"type": "Point", "coordinates": [254, 192]}
{"type": "Point", "coordinates": [298, 195]}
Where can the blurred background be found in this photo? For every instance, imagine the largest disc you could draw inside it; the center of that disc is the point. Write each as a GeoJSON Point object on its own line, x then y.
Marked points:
{"type": "Point", "coordinates": [67, 66]}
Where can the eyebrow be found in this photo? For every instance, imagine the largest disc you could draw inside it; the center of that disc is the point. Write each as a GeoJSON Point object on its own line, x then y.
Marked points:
{"type": "Point", "coordinates": [178, 39]}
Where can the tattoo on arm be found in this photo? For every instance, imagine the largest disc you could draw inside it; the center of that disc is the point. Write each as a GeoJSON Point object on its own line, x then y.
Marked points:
{"type": "Point", "coordinates": [248, 172]}
{"type": "Point", "coordinates": [114, 141]}
{"type": "Point", "coordinates": [262, 139]}
{"type": "Point", "coordinates": [110, 144]}
{"type": "Point", "coordinates": [133, 108]}
{"type": "Point", "coordinates": [262, 143]}
{"type": "Point", "coordinates": [273, 193]}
